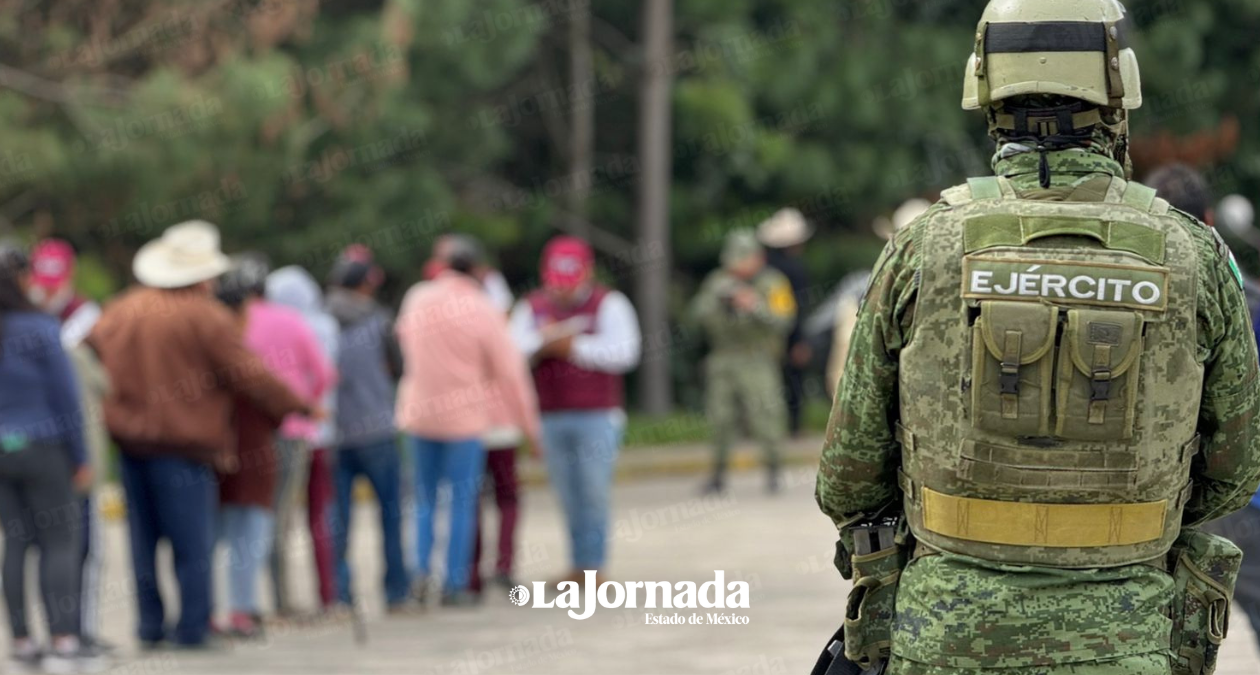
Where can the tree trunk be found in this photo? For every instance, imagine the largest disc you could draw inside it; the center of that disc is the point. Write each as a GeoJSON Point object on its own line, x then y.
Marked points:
{"type": "Point", "coordinates": [581, 118]}
{"type": "Point", "coordinates": [653, 258]}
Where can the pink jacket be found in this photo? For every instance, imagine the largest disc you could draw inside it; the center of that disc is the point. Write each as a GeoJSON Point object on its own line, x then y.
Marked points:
{"type": "Point", "coordinates": [290, 350]}
{"type": "Point", "coordinates": [462, 373]}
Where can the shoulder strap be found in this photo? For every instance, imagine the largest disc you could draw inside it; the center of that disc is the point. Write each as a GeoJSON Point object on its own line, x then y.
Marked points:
{"type": "Point", "coordinates": [985, 187]}
{"type": "Point", "coordinates": [957, 195]}
{"type": "Point", "coordinates": [1138, 196]}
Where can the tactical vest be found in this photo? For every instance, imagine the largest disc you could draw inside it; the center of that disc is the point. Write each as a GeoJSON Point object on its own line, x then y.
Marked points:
{"type": "Point", "coordinates": [1050, 392]}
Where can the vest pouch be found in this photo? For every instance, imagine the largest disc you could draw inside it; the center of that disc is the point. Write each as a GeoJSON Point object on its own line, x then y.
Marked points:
{"type": "Point", "coordinates": [1098, 375]}
{"type": "Point", "coordinates": [871, 606]}
{"type": "Point", "coordinates": [1013, 367]}
{"type": "Point", "coordinates": [1205, 569]}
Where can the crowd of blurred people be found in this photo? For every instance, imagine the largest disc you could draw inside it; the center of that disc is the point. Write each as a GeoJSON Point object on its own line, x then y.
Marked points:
{"type": "Point", "coordinates": [237, 395]}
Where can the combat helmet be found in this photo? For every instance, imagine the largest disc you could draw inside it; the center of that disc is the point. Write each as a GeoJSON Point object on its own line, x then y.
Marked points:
{"type": "Point", "coordinates": [1072, 48]}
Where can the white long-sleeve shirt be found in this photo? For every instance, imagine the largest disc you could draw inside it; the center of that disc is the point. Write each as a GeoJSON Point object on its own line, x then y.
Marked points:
{"type": "Point", "coordinates": [614, 347]}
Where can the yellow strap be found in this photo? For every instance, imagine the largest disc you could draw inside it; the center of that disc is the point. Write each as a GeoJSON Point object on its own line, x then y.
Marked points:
{"type": "Point", "coordinates": [1052, 525]}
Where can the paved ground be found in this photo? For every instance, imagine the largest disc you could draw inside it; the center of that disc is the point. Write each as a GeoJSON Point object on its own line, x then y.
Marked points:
{"type": "Point", "coordinates": [780, 546]}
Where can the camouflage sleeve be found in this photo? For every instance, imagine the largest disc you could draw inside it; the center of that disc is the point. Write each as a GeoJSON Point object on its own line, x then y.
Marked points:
{"type": "Point", "coordinates": [706, 308]}
{"type": "Point", "coordinates": [857, 474]}
{"type": "Point", "coordinates": [1227, 470]}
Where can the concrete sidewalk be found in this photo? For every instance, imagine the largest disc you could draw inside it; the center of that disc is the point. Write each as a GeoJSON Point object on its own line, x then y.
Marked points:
{"type": "Point", "coordinates": [686, 459]}
{"type": "Point", "coordinates": [641, 463]}
{"type": "Point", "coordinates": [661, 530]}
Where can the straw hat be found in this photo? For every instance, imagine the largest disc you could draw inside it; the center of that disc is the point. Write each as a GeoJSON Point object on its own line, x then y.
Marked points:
{"type": "Point", "coordinates": [186, 254]}
{"type": "Point", "coordinates": [903, 216]}
{"type": "Point", "coordinates": [785, 228]}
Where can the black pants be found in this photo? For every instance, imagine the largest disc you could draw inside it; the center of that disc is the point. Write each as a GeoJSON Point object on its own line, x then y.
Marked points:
{"type": "Point", "coordinates": [1243, 528]}
{"type": "Point", "coordinates": [38, 508]}
{"type": "Point", "coordinates": [794, 395]}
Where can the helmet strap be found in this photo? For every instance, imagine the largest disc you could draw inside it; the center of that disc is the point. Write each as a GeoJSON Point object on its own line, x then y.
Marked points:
{"type": "Point", "coordinates": [1046, 129]}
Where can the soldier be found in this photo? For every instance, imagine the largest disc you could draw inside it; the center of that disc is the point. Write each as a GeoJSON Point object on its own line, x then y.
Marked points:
{"type": "Point", "coordinates": [746, 310]}
{"type": "Point", "coordinates": [1052, 383]}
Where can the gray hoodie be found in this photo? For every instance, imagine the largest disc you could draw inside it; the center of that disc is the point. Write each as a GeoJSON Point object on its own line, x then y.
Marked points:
{"type": "Point", "coordinates": [370, 363]}
{"type": "Point", "coordinates": [296, 289]}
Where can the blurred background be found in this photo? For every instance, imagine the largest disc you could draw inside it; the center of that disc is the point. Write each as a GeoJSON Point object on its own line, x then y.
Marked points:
{"type": "Point", "coordinates": [651, 129]}
{"type": "Point", "coordinates": [299, 126]}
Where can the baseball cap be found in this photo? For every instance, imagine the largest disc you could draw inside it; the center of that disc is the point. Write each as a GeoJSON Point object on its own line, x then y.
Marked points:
{"type": "Point", "coordinates": [566, 262]}
{"type": "Point", "coordinates": [52, 264]}
{"type": "Point", "coordinates": [354, 266]}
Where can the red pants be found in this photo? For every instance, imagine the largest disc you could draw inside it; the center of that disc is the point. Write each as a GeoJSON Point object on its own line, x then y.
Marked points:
{"type": "Point", "coordinates": [501, 469]}
{"type": "Point", "coordinates": [319, 497]}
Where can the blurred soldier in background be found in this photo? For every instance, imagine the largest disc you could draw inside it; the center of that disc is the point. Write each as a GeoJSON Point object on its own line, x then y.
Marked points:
{"type": "Point", "coordinates": [1053, 480]}
{"type": "Point", "coordinates": [853, 287]}
{"type": "Point", "coordinates": [784, 236]}
{"type": "Point", "coordinates": [746, 310]}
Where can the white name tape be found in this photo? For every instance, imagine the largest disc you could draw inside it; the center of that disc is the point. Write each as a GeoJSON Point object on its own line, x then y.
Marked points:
{"type": "Point", "coordinates": [1068, 282]}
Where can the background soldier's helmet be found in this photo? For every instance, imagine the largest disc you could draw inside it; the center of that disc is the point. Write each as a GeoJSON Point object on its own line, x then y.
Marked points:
{"type": "Point", "coordinates": [739, 246]}
{"type": "Point", "coordinates": [1073, 48]}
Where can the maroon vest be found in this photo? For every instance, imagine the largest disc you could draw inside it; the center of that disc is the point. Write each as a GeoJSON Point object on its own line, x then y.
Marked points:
{"type": "Point", "coordinates": [76, 301]}
{"type": "Point", "coordinates": [561, 384]}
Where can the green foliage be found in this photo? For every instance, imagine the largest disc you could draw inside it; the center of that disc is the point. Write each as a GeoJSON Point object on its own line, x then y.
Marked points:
{"type": "Point", "coordinates": [300, 127]}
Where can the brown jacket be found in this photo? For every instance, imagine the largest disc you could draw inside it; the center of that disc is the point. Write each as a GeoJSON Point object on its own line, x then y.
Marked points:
{"type": "Point", "coordinates": [177, 363]}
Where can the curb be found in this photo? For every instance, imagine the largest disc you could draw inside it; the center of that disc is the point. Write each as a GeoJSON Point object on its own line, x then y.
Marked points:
{"type": "Point", "coordinates": [633, 465]}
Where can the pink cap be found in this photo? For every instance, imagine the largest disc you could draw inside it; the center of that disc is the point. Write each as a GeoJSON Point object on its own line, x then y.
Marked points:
{"type": "Point", "coordinates": [567, 262]}
{"type": "Point", "coordinates": [52, 264]}
{"type": "Point", "coordinates": [357, 253]}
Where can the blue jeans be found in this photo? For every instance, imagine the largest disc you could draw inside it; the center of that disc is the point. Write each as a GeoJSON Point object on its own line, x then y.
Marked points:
{"type": "Point", "coordinates": [380, 463]}
{"type": "Point", "coordinates": [581, 453]}
{"type": "Point", "coordinates": [460, 464]}
{"type": "Point", "coordinates": [248, 531]}
{"type": "Point", "coordinates": [174, 499]}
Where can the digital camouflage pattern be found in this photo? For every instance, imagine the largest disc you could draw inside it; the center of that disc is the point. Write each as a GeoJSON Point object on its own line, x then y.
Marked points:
{"type": "Point", "coordinates": [743, 378]}
{"type": "Point", "coordinates": [1205, 569]}
{"type": "Point", "coordinates": [962, 612]}
{"type": "Point", "coordinates": [1051, 442]}
{"type": "Point", "coordinates": [1145, 664]}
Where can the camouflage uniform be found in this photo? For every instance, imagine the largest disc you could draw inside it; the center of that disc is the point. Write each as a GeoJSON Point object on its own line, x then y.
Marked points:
{"type": "Point", "coordinates": [957, 613]}
{"type": "Point", "coordinates": [743, 375]}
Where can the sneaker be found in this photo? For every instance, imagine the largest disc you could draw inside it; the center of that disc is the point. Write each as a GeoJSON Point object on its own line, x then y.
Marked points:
{"type": "Point", "coordinates": [80, 660]}
{"type": "Point", "coordinates": [421, 590]}
{"type": "Point", "coordinates": [209, 644]}
{"type": "Point", "coordinates": [244, 626]}
{"type": "Point", "coordinates": [26, 660]}
{"type": "Point", "coordinates": [98, 644]}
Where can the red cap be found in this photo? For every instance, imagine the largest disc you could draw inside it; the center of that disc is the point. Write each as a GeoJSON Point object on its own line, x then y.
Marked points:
{"type": "Point", "coordinates": [567, 262]}
{"type": "Point", "coordinates": [52, 264]}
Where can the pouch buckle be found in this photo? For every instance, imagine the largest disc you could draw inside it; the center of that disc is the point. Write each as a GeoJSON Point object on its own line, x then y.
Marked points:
{"type": "Point", "coordinates": [1008, 379]}
{"type": "Point", "coordinates": [1100, 385]}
